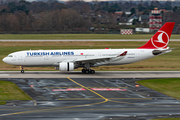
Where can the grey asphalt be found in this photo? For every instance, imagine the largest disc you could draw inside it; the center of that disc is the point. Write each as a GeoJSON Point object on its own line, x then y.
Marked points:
{"type": "Point", "coordinates": [80, 40]}
{"type": "Point", "coordinates": [98, 74]}
{"type": "Point", "coordinates": [86, 98]}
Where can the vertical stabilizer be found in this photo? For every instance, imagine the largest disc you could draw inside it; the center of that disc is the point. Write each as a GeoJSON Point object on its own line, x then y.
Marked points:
{"type": "Point", "coordinates": [161, 37]}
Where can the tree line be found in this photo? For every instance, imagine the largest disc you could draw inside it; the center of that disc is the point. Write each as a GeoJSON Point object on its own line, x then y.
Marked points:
{"type": "Point", "coordinates": [69, 16]}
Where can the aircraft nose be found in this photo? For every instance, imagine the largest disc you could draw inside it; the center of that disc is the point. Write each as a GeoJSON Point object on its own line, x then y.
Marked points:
{"type": "Point", "coordinates": [5, 60]}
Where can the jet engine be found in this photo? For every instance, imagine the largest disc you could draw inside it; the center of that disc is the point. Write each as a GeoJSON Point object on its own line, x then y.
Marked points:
{"type": "Point", "coordinates": [66, 66]}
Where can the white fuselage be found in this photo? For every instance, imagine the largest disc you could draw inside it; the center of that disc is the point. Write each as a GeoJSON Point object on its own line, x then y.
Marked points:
{"type": "Point", "coordinates": [54, 57]}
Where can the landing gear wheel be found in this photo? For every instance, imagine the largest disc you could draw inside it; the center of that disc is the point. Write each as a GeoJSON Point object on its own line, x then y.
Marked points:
{"type": "Point", "coordinates": [83, 71]}
{"type": "Point", "coordinates": [92, 71]}
{"type": "Point", "coordinates": [21, 67]}
{"type": "Point", "coordinates": [22, 71]}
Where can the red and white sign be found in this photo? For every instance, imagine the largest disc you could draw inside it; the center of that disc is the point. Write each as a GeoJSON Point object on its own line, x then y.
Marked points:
{"type": "Point", "coordinates": [126, 31]}
{"type": "Point", "coordinates": [70, 89]}
{"type": "Point", "coordinates": [81, 53]}
{"type": "Point", "coordinates": [108, 89]}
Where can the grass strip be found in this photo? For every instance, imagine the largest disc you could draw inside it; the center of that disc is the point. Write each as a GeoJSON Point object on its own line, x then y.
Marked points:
{"type": "Point", "coordinates": [2, 102]}
{"type": "Point", "coordinates": [77, 36]}
{"type": "Point", "coordinates": [10, 91]}
{"type": "Point", "coordinates": [168, 86]}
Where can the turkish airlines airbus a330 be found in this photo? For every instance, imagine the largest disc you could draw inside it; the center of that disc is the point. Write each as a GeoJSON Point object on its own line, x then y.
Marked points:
{"type": "Point", "coordinates": [68, 60]}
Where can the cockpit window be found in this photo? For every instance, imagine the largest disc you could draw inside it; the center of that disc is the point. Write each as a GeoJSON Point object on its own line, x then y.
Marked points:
{"type": "Point", "coordinates": [10, 55]}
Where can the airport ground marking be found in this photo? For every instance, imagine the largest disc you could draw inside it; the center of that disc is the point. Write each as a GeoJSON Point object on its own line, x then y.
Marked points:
{"type": "Point", "coordinates": [24, 112]}
{"type": "Point", "coordinates": [106, 99]}
{"type": "Point", "coordinates": [66, 107]}
{"type": "Point", "coordinates": [94, 109]}
{"type": "Point", "coordinates": [87, 89]}
{"type": "Point", "coordinates": [78, 87]}
{"type": "Point", "coordinates": [101, 98]}
{"type": "Point", "coordinates": [50, 109]}
{"type": "Point", "coordinates": [75, 106]}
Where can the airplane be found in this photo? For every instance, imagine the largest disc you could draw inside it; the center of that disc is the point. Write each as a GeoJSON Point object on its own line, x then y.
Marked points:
{"type": "Point", "coordinates": [68, 60]}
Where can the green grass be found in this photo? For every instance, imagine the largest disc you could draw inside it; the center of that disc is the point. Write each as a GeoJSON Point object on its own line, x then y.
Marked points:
{"type": "Point", "coordinates": [10, 91]}
{"type": "Point", "coordinates": [2, 102]}
{"type": "Point", "coordinates": [79, 36]}
{"type": "Point", "coordinates": [169, 61]}
{"type": "Point", "coordinates": [168, 86]}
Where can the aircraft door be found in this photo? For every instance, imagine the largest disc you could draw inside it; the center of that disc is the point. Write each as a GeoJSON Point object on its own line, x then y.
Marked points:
{"type": "Point", "coordinates": [20, 57]}
{"type": "Point", "coordinates": [138, 54]}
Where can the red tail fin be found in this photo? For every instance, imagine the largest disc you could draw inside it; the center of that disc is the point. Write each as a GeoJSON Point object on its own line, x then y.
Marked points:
{"type": "Point", "coordinates": [161, 38]}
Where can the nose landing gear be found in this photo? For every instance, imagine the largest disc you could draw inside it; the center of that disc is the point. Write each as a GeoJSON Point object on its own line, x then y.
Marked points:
{"type": "Point", "coordinates": [22, 71]}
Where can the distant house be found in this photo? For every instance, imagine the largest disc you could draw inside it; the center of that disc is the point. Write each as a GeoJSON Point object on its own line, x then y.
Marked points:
{"type": "Point", "coordinates": [143, 19]}
{"type": "Point", "coordinates": [129, 20]}
{"type": "Point", "coordinates": [132, 18]}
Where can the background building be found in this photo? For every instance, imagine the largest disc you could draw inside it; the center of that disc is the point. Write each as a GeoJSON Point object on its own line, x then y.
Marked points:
{"type": "Point", "coordinates": [155, 19]}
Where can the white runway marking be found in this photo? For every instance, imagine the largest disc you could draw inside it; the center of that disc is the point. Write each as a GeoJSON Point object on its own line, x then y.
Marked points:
{"type": "Point", "coordinates": [4, 74]}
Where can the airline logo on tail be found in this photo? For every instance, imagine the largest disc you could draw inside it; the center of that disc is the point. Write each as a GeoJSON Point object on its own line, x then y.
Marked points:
{"type": "Point", "coordinates": [160, 40]}
{"type": "Point", "coordinates": [161, 37]}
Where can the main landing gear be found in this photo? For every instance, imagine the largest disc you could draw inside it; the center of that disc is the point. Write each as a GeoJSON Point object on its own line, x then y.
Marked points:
{"type": "Point", "coordinates": [22, 71]}
{"type": "Point", "coordinates": [88, 71]}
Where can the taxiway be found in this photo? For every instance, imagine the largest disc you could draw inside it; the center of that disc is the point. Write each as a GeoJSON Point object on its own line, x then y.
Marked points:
{"type": "Point", "coordinates": [104, 95]}
{"type": "Point", "coordinates": [98, 74]}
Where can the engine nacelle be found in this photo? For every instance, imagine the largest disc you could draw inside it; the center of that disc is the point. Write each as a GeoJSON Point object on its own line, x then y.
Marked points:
{"type": "Point", "coordinates": [66, 66]}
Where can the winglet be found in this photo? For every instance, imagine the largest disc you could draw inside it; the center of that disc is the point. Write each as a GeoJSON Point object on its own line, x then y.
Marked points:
{"type": "Point", "coordinates": [161, 37]}
{"type": "Point", "coordinates": [122, 54]}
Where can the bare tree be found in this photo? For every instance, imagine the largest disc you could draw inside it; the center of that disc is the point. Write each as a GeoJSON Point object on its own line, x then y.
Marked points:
{"type": "Point", "coordinates": [3, 22]}
{"type": "Point", "coordinates": [24, 21]}
{"type": "Point", "coordinates": [71, 19]}
{"type": "Point", "coordinates": [13, 23]}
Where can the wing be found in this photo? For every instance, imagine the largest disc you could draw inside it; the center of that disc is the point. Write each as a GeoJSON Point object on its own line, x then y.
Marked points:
{"type": "Point", "coordinates": [96, 61]}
